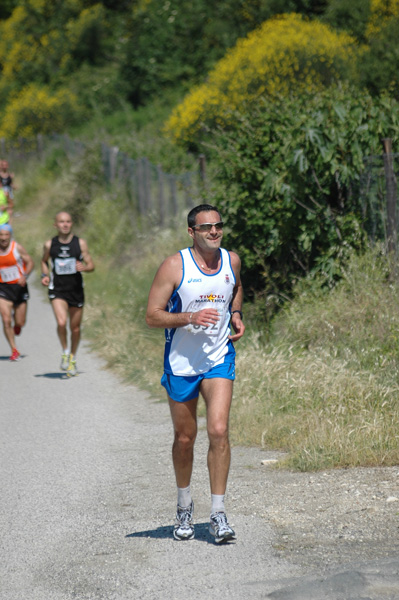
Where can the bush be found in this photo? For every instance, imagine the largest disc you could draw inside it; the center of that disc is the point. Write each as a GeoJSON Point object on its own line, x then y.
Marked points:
{"type": "Point", "coordinates": [288, 173]}
{"type": "Point", "coordinates": [352, 17]}
{"type": "Point", "coordinates": [176, 42]}
{"type": "Point", "coordinates": [37, 109]}
{"type": "Point", "coordinates": [286, 53]}
{"type": "Point", "coordinates": [379, 67]}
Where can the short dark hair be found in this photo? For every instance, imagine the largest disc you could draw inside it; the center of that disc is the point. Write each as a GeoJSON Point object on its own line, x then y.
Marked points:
{"type": "Point", "coordinates": [192, 215]}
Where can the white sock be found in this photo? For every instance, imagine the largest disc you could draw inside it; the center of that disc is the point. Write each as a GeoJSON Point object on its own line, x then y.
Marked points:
{"type": "Point", "coordinates": [183, 497]}
{"type": "Point", "coordinates": [66, 351]}
{"type": "Point", "coordinates": [217, 503]}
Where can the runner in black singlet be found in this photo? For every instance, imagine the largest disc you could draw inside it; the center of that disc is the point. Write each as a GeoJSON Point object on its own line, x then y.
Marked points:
{"type": "Point", "coordinates": [69, 256]}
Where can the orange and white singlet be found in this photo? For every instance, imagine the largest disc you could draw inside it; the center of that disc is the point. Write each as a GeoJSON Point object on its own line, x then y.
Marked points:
{"type": "Point", "coordinates": [11, 264]}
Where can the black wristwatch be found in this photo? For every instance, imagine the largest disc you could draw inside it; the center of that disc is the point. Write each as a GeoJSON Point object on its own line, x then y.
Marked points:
{"type": "Point", "coordinates": [235, 311]}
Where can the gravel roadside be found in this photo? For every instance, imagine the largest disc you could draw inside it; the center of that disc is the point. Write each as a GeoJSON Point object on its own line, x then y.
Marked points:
{"type": "Point", "coordinates": [88, 499]}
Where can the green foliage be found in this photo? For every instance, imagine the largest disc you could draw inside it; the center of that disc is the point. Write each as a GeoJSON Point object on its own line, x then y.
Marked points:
{"type": "Point", "coordinates": [99, 90]}
{"type": "Point", "coordinates": [6, 8]}
{"type": "Point", "coordinates": [287, 53]}
{"type": "Point", "coordinates": [42, 42]}
{"type": "Point", "coordinates": [289, 171]}
{"type": "Point", "coordinates": [84, 183]}
{"type": "Point", "coordinates": [180, 40]}
{"type": "Point", "coordinates": [86, 36]}
{"type": "Point", "coordinates": [352, 17]}
{"type": "Point", "coordinates": [379, 65]}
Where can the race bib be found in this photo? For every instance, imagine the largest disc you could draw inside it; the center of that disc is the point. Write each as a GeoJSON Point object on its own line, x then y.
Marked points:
{"type": "Point", "coordinates": [9, 274]}
{"type": "Point", "coordinates": [65, 266]}
{"type": "Point", "coordinates": [210, 330]}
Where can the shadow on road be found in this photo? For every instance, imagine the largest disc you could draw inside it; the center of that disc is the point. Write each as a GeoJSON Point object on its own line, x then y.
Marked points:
{"type": "Point", "coordinates": [201, 533]}
{"type": "Point", "coordinates": [52, 375]}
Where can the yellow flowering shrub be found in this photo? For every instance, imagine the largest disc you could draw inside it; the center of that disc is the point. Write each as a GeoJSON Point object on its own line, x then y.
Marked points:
{"type": "Point", "coordinates": [89, 17]}
{"type": "Point", "coordinates": [287, 52]}
{"type": "Point", "coordinates": [36, 109]}
{"type": "Point", "coordinates": [380, 13]}
{"type": "Point", "coordinates": [14, 53]}
{"type": "Point", "coordinates": [34, 40]}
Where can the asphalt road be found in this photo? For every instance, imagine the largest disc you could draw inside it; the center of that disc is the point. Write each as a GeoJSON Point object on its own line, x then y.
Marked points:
{"type": "Point", "coordinates": [88, 497]}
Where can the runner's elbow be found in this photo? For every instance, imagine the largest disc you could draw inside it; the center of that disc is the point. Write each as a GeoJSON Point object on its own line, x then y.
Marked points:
{"type": "Point", "coordinates": [151, 319]}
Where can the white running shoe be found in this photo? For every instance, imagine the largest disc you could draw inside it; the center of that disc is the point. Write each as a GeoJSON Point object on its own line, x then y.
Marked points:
{"type": "Point", "coordinates": [184, 525]}
{"type": "Point", "coordinates": [220, 528]}
{"type": "Point", "coordinates": [64, 362]}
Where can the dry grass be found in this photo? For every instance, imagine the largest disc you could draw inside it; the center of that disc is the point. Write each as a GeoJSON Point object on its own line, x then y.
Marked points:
{"type": "Point", "coordinates": [314, 406]}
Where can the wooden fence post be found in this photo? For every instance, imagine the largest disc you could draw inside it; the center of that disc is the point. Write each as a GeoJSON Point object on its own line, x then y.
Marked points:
{"type": "Point", "coordinates": [161, 196]}
{"type": "Point", "coordinates": [390, 182]}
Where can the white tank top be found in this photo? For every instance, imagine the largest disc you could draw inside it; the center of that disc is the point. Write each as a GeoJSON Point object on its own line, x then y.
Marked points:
{"type": "Point", "coordinates": [192, 349]}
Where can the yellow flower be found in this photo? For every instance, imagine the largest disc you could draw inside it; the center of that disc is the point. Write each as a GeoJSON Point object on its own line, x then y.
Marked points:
{"type": "Point", "coordinates": [381, 11]}
{"type": "Point", "coordinates": [286, 53]}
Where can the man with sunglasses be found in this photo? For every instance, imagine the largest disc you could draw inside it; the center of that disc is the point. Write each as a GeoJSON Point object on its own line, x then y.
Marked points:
{"type": "Point", "coordinates": [195, 295]}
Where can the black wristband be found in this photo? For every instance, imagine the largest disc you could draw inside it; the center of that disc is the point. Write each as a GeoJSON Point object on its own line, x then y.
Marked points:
{"type": "Point", "coordinates": [234, 311]}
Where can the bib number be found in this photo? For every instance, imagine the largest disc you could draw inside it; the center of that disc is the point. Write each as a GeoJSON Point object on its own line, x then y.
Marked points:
{"type": "Point", "coordinates": [9, 274]}
{"type": "Point", "coordinates": [65, 266]}
{"type": "Point", "coordinates": [211, 330]}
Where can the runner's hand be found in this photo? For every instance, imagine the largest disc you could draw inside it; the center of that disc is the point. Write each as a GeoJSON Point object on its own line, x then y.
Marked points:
{"type": "Point", "coordinates": [205, 317]}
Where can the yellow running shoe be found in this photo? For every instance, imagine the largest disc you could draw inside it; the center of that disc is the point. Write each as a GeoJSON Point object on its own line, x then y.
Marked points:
{"type": "Point", "coordinates": [71, 370]}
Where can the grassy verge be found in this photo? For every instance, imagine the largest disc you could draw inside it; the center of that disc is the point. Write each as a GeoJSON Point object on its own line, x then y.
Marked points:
{"type": "Point", "coordinates": [320, 382]}
{"type": "Point", "coordinates": [324, 388]}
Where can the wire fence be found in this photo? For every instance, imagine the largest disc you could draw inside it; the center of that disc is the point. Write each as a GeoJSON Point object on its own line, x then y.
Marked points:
{"type": "Point", "coordinates": [151, 193]}
{"type": "Point", "coordinates": [379, 198]}
{"type": "Point", "coordinates": [160, 197]}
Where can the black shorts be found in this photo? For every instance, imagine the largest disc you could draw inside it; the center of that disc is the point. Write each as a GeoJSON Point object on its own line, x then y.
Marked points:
{"type": "Point", "coordinates": [14, 292]}
{"type": "Point", "coordinates": [72, 297]}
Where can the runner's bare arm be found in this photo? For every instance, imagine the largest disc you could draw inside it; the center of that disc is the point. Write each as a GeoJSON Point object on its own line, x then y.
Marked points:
{"type": "Point", "coordinates": [28, 262]}
{"type": "Point", "coordinates": [166, 280]}
{"type": "Point", "coordinates": [87, 265]}
{"type": "Point", "coordinates": [44, 263]}
{"type": "Point", "coordinates": [238, 296]}
{"type": "Point", "coordinates": [10, 203]}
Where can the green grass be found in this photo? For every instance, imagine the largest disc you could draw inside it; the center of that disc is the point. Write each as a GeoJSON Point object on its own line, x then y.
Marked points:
{"type": "Point", "coordinates": [321, 382]}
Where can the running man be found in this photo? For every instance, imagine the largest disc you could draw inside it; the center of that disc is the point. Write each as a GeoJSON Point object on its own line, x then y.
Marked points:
{"type": "Point", "coordinates": [6, 178]}
{"type": "Point", "coordinates": [15, 266]}
{"type": "Point", "coordinates": [69, 256]}
{"type": "Point", "coordinates": [195, 295]}
{"type": "Point", "coordinates": [6, 205]}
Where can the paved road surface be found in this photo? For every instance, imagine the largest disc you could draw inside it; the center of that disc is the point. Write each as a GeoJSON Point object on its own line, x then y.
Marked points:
{"type": "Point", "coordinates": [87, 496]}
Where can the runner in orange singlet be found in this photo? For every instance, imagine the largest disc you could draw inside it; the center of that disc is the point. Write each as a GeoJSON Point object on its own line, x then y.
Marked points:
{"type": "Point", "coordinates": [15, 266]}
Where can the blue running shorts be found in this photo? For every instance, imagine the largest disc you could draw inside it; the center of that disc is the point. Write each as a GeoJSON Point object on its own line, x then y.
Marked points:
{"type": "Point", "coordinates": [183, 389]}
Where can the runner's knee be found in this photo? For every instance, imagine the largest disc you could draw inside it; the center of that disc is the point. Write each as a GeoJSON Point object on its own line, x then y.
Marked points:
{"type": "Point", "coordinates": [218, 432]}
{"type": "Point", "coordinates": [185, 440]}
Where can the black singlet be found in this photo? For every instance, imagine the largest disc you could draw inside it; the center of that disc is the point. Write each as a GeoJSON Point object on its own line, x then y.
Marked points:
{"type": "Point", "coordinates": [64, 277]}
{"type": "Point", "coordinates": [6, 180]}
